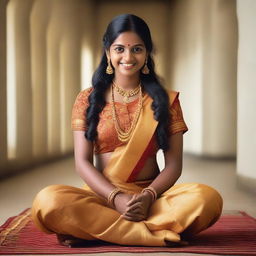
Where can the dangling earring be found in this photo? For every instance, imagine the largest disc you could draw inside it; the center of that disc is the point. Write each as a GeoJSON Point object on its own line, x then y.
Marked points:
{"type": "Point", "coordinates": [109, 69]}
{"type": "Point", "coordinates": [145, 69]}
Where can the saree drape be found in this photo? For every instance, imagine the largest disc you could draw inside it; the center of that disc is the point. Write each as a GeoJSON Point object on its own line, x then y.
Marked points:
{"type": "Point", "coordinates": [183, 209]}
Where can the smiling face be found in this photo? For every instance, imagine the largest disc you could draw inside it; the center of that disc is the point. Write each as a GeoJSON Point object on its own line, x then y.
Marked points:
{"type": "Point", "coordinates": [127, 53]}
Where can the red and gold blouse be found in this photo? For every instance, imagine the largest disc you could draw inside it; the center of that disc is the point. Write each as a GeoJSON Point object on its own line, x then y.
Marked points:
{"type": "Point", "coordinates": [107, 139]}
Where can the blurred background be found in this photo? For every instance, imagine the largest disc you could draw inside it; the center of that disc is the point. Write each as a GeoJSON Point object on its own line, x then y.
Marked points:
{"type": "Point", "coordinates": [205, 49]}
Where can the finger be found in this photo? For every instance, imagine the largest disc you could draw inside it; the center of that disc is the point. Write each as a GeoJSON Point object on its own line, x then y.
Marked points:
{"type": "Point", "coordinates": [133, 214]}
{"type": "Point", "coordinates": [137, 217]}
{"type": "Point", "coordinates": [134, 218]}
{"type": "Point", "coordinates": [133, 199]}
{"type": "Point", "coordinates": [136, 211]}
{"type": "Point", "coordinates": [134, 206]}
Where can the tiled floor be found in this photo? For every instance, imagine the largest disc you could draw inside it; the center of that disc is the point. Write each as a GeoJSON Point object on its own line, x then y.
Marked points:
{"type": "Point", "coordinates": [16, 193]}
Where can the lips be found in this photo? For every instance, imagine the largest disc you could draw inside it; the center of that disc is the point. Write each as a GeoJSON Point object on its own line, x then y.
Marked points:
{"type": "Point", "coordinates": [127, 64]}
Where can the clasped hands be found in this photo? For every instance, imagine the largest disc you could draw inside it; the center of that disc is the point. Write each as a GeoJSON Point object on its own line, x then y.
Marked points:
{"type": "Point", "coordinates": [133, 207]}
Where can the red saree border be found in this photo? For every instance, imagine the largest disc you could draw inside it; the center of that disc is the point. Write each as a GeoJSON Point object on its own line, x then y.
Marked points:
{"type": "Point", "coordinates": [142, 161]}
{"type": "Point", "coordinates": [173, 96]}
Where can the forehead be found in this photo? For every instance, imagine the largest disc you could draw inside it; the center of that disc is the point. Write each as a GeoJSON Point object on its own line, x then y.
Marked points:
{"type": "Point", "coordinates": [128, 38]}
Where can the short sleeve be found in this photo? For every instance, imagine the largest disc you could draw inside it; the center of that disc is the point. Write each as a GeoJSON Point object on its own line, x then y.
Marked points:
{"type": "Point", "coordinates": [177, 122]}
{"type": "Point", "coordinates": [78, 118]}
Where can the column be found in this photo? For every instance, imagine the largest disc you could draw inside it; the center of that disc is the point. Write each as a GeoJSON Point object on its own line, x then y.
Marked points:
{"type": "Point", "coordinates": [246, 136]}
{"type": "Point", "coordinates": [203, 68]}
{"type": "Point", "coordinates": [3, 83]}
{"type": "Point", "coordinates": [219, 79]}
{"type": "Point", "coordinates": [53, 38]}
{"type": "Point", "coordinates": [19, 81]}
{"type": "Point", "coordinates": [40, 16]}
{"type": "Point", "coordinates": [70, 69]}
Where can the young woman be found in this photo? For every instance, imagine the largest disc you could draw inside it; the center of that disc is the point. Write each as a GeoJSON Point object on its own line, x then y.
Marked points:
{"type": "Point", "coordinates": [124, 119]}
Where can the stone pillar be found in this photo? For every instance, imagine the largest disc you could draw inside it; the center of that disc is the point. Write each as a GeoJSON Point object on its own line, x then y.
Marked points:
{"type": "Point", "coordinates": [246, 136]}
{"type": "Point", "coordinates": [39, 23]}
{"type": "Point", "coordinates": [3, 83]}
{"type": "Point", "coordinates": [19, 80]}
{"type": "Point", "coordinates": [203, 69]}
{"type": "Point", "coordinates": [70, 68]}
{"type": "Point", "coordinates": [69, 80]}
{"type": "Point", "coordinates": [64, 51]}
{"type": "Point", "coordinates": [219, 79]}
{"type": "Point", "coordinates": [53, 39]}
{"type": "Point", "coordinates": [89, 49]}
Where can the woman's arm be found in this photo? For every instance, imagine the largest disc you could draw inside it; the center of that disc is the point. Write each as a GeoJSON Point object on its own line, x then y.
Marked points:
{"type": "Point", "coordinates": [173, 165]}
{"type": "Point", "coordinates": [93, 177]}
{"type": "Point", "coordinates": [84, 166]}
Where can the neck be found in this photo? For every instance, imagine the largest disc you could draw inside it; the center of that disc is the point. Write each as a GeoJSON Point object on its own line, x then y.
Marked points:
{"type": "Point", "coordinates": [127, 83]}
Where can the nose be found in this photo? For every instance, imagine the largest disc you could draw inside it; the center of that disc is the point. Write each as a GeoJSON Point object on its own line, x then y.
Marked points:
{"type": "Point", "coordinates": [128, 56]}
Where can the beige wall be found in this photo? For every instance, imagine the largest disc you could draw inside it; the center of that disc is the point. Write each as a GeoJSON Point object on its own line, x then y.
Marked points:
{"type": "Point", "coordinates": [246, 136]}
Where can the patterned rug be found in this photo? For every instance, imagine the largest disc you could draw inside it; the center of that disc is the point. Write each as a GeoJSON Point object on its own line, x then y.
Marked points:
{"type": "Point", "coordinates": [233, 234]}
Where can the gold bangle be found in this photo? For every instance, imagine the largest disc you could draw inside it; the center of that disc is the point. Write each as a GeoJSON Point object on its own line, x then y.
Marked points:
{"type": "Point", "coordinates": [152, 191]}
{"type": "Point", "coordinates": [112, 195]}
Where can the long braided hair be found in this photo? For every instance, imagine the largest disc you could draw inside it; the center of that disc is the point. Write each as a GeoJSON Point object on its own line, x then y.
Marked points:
{"type": "Point", "coordinates": [150, 82]}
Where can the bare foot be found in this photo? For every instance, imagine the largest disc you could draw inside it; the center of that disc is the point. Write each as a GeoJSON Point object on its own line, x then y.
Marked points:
{"type": "Point", "coordinates": [70, 241]}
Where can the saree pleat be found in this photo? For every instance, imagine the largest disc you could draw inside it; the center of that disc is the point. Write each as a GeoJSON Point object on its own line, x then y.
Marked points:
{"type": "Point", "coordinates": [80, 212]}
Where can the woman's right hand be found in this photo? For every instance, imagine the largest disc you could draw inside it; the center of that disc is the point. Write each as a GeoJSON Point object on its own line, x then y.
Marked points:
{"type": "Point", "coordinates": [121, 201]}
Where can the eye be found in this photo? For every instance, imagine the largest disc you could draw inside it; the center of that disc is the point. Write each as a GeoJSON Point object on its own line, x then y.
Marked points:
{"type": "Point", "coordinates": [137, 49]}
{"type": "Point", "coordinates": [119, 49]}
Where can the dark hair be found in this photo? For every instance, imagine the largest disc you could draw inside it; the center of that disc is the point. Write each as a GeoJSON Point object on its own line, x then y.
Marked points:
{"type": "Point", "coordinates": [150, 82]}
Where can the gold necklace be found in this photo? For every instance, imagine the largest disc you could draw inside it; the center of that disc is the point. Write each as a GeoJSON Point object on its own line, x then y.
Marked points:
{"type": "Point", "coordinates": [126, 93]}
{"type": "Point", "coordinates": [124, 136]}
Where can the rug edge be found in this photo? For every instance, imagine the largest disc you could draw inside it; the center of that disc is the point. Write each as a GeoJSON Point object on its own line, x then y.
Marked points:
{"type": "Point", "coordinates": [10, 219]}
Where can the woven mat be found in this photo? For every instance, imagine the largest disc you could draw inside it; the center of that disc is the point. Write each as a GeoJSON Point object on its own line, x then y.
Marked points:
{"type": "Point", "coordinates": [233, 234]}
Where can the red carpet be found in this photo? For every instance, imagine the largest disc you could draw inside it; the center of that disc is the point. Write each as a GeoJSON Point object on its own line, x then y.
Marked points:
{"type": "Point", "coordinates": [231, 235]}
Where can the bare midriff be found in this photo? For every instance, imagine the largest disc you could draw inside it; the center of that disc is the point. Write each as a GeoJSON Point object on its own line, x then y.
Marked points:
{"type": "Point", "coordinates": [148, 172]}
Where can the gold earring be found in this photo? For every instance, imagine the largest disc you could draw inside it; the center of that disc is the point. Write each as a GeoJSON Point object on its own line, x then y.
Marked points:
{"type": "Point", "coordinates": [109, 69]}
{"type": "Point", "coordinates": [145, 69]}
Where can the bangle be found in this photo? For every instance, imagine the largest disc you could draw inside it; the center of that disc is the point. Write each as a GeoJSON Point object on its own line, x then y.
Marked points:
{"type": "Point", "coordinates": [112, 195]}
{"type": "Point", "coordinates": [152, 191]}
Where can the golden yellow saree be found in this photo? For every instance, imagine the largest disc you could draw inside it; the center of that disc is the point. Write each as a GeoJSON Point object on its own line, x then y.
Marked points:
{"type": "Point", "coordinates": [183, 209]}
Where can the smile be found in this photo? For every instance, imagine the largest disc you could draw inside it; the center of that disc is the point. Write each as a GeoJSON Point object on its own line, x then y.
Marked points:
{"type": "Point", "coordinates": [127, 64]}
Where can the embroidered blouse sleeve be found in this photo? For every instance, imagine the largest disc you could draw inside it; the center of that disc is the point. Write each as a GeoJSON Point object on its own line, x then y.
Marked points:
{"type": "Point", "coordinates": [78, 119]}
{"type": "Point", "coordinates": [177, 122]}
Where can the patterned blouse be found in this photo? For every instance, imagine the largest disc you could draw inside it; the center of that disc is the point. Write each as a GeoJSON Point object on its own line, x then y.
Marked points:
{"type": "Point", "coordinates": [107, 139]}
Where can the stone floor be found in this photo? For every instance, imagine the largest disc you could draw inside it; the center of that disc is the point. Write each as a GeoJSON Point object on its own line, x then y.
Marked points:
{"type": "Point", "coordinates": [16, 193]}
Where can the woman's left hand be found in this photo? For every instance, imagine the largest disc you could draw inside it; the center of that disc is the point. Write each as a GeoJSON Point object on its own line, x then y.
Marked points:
{"type": "Point", "coordinates": [138, 207]}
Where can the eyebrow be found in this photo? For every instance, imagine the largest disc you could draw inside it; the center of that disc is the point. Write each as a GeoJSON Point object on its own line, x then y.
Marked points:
{"type": "Point", "coordinates": [132, 46]}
